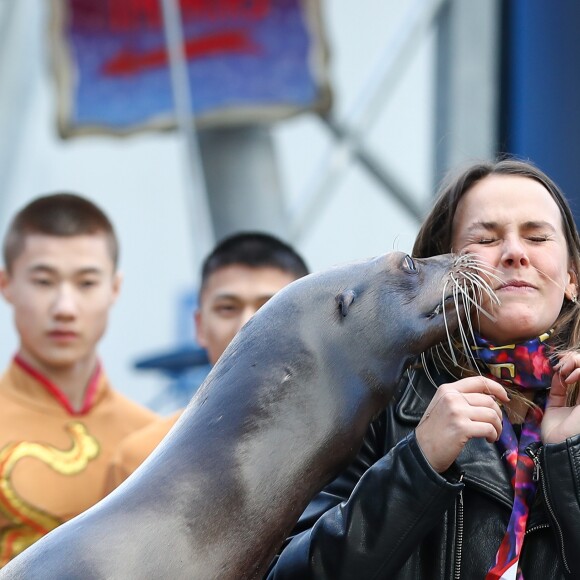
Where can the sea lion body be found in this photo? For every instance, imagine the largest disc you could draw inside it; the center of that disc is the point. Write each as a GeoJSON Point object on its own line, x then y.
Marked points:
{"type": "Point", "coordinates": [281, 414]}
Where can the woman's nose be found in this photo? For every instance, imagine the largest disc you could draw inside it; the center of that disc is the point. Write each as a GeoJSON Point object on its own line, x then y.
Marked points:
{"type": "Point", "coordinates": [514, 252]}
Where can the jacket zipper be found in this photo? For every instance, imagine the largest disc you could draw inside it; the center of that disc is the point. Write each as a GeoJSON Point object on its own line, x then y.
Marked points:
{"type": "Point", "coordinates": [538, 527]}
{"type": "Point", "coordinates": [538, 475]}
{"type": "Point", "coordinates": [459, 535]}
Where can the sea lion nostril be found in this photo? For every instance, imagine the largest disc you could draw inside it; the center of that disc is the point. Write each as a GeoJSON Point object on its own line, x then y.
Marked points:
{"type": "Point", "coordinates": [438, 309]}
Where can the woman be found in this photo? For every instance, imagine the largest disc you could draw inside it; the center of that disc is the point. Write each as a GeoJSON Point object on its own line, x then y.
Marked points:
{"type": "Point", "coordinates": [479, 478]}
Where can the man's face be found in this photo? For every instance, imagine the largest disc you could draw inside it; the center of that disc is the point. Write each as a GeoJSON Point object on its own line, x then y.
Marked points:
{"type": "Point", "coordinates": [61, 290]}
{"type": "Point", "coordinates": [231, 296]}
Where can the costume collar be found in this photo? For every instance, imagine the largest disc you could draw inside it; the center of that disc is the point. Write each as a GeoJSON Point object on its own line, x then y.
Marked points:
{"type": "Point", "coordinates": [58, 394]}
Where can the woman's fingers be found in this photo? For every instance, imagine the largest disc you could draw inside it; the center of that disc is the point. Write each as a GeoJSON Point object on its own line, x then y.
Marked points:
{"type": "Point", "coordinates": [458, 412]}
{"type": "Point", "coordinates": [478, 385]}
{"type": "Point", "coordinates": [485, 422]}
{"type": "Point", "coordinates": [568, 367]}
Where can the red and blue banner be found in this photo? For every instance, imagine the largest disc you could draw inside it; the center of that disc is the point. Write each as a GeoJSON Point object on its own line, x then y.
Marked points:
{"type": "Point", "coordinates": [248, 61]}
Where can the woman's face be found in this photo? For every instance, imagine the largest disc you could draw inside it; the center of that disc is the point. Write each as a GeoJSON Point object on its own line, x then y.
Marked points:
{"type": "Point", "coordinates": [513, 224]}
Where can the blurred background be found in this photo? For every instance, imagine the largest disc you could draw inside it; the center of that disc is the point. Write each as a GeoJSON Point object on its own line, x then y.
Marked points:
{"type": "Point", "coordinates": [328, 124]}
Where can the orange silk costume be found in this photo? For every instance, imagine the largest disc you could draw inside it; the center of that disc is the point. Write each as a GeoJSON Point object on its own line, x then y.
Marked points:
{"type": "Point", "coordinates": [53, 460]}
{"type": "Point", "coordinates": [136, 448]}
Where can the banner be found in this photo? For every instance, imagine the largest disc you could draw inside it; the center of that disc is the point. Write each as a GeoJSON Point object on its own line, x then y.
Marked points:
{"type": "Point", "coordinates": [248, 61]}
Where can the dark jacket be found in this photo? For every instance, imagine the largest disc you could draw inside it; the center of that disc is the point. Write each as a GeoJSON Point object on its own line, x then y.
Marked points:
{"type": "Point", "coordinates": [390, 515]}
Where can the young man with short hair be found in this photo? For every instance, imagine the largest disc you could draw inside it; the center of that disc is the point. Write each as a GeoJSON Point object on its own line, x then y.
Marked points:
{"type": "Point", "coordinates": [240, 275]}
{"type": "Point", "coordinates": [59, 417]}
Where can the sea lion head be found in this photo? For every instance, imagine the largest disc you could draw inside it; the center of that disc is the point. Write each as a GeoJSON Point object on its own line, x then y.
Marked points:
{"type": "Point", "coordinates": [390, 309]}
{"type": "Point", "coordinates": [367, 319]}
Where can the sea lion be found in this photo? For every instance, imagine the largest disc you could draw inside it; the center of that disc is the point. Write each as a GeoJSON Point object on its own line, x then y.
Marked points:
{"type": "Point", "coordinates": [283, 411]}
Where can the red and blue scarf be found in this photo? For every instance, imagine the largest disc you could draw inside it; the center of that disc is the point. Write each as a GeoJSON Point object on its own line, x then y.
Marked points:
{"type": "Point", "coordinates": [524, 366]}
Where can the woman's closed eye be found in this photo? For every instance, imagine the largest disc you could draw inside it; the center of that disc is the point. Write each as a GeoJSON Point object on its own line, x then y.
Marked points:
{"type": "Point", "coordinates": [540, 238]}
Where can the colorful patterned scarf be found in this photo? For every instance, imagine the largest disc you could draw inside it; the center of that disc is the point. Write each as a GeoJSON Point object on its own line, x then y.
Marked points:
{"type": "Point", "coordinates": [522, 366]}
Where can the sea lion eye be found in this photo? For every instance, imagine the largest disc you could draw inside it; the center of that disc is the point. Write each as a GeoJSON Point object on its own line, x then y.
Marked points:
{"type": "Point", "coordinates": [410, 264]}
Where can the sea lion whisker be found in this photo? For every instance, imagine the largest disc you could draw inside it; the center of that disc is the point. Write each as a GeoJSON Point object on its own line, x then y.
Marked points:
{"type": "Point", "coordinates": [480, 292]}
{"type": "Point", "coordinates": [443, 356]}
{"type": "Point", "coordinates": [470, 326]}
{"type": "Point", "coordinates": [427, 373]}
{"type": "Point", "coordinates": [435, 351]}
{"type": "Point", "coordinates": [466, 261]}
{"type": "Point", "coordinates": [440, 348]}
{"type": "Point", "coordinates": [471, 293]}
{"type": "Point", "coordinates": [445, 322]}
{"type": "Point", "coordinates": [466, 286]}
{"type": "Point", "coordinates": [462, 333]}
{"type": "Point", "coordinates": [467, 292]}
{"type": "Point", "coordinates": [465, 289]}
{"type": "Point", "coordinates": [481, 283]}
{"type": "Point", "coordinates": [468, 351]}
{"type": "Point", "coordinates": [483, 288]}
{"type": "Point", "coordinates": [469, 356]}
{"type": "Point", "coordinates": [456, 367]}
{"type": "Point", "coordinates": [457, 309]}
{"type": "Point", "coordinates": [435, 357]}
{"type": "Point", "coordinates": [560, 286]}
{"type": "Point", "coordinates": [474, 273]}
{"type": "Point", "coordinates": [464, 258]}
{"type": "Point", "coordinates": [481, 266]}
{"type": "Point", "coordinates": [471, 363]}
{"type": "Point", "coordinates": [465, 342]}
{"type": "Point", "coordinates": [460, 286]}
{"type": "Point", "coordinates": [486, 267]}
{"type": "Point", "coordinates": [480, 309]}
{"type": "Point", "coordinates": [472, 259]}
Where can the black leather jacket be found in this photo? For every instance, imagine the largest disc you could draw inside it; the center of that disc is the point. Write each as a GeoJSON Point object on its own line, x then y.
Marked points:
{"type": "Point", "coordinates": [390, 515]}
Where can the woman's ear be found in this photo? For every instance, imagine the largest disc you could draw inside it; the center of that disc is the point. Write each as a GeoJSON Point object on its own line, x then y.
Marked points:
{"type": "Point", "coordinates": [571, 291]}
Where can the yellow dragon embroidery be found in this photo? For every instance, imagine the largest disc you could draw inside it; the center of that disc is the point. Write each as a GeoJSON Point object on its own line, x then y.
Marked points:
{"type": "Point", "coordinates": [30, 523]}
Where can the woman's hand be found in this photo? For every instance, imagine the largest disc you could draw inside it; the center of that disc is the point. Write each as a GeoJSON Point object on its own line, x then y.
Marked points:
{"type": "Point", "coordinates": [561, 421]}
{"type": "Point", "coordinates": [458, 412]}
